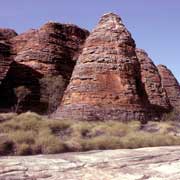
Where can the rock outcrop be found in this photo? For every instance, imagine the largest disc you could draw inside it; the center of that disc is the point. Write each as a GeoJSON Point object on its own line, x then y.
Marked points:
{"type": "Point", "coordinates": [5, 59]}
{"type": "Point", "coordinates": [111, 80]}
{"type": "Point", "coordinates": [171, 85]}
{"type": "Point", "coordinates": [19, 42]}
{"type": "Point", "coordinates": [105, 83]}
{"type": "Point", "coordinates": [151, 81]}
{"type": "Point", "coordinates": [52, 49]}
{"type": "Point", "coordinates": [158, 163]}
{"type": "Point", "coordinates": [7, 34]}
{"type": "Point", "coordinates": [5, 51]}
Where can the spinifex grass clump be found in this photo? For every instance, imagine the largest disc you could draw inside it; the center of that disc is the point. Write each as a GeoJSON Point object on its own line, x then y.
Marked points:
{"type": "Point", "coordinates": [29, 133]}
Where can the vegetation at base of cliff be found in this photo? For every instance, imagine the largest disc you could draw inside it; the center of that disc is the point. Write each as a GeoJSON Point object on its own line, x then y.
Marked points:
{"type": "Point", "coordinates": [52, 89]}
{"type": "Point", "coordinates": [29, 133]}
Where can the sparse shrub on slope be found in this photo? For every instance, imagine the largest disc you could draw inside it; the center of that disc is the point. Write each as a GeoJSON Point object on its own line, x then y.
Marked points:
{"type": "Point", "coordinates": [52, 89]}
{"type": "Point", "coordinates": [21, 93]}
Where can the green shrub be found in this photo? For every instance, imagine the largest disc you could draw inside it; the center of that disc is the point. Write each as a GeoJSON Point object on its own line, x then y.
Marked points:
{"type": "Point", "coordinates": [52, 89]}
{"type": "Point", "coordinates": [21, 93]}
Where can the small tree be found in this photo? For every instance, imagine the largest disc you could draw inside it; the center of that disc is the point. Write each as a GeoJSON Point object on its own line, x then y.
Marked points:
{"type": "Point", "coordinates": [52, 89]}
{"type": "Point", "coordinates": [21, 93]}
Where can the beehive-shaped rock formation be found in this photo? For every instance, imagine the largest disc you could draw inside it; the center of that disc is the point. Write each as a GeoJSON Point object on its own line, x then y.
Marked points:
{"type": "Point", "coordinates": [171, 85]}
{"type": "Point", "coordinates": [151, 80]}
{"type": "Point", "coordinates": [111, 79]}
{"type": "Point", "coordinates": [53, 49]}
{"type": "Point", "coordinates": [106, 80]}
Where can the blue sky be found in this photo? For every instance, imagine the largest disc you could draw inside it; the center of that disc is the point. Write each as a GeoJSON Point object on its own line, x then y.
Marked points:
{"type": "Point", "coordinates": [154, 24]}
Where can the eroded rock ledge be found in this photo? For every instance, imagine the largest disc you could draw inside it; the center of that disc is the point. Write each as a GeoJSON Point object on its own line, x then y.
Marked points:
{"type": "Point", "coordinates": [158, 163]}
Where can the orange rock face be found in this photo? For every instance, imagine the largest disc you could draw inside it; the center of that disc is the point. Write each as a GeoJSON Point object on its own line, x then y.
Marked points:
{"type": "Point", "coordinates": [19, 42]}
{"type": "Point", "coordinates": [171, 85]}
{"type": "Point", "coordinates": [106, 80]}
{"type": "Point", "coordinates": [52, 49]}
{"type": "Point", "coordinates": [151, 81]}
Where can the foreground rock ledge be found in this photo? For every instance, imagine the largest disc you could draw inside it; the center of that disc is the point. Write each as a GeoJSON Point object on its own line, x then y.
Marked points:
{"type": "Point", "coordinates": [138, 164]}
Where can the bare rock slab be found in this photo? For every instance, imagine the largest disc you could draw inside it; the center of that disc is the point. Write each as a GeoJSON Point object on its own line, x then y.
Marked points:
{"type": "Point", "coordinates": [158, 163]}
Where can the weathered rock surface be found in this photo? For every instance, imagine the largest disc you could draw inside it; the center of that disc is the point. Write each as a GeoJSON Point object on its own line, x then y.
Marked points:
{"type": "Point", "coordinates": [6, 56]}
{"type": "Point", "coordinates": [7, 34]}
{"type": "Point", "coordinates": [158, 163]}
{"type": "Point", "coordinates": [5, 59]}
{"type": "Point", "coordinates": [105, 83]}
{"type": "Point", "coordinates": [52, 49]}
{"type": "Point", "coordinates": [151, 81]}
{"type": "Point", "coordinates": [171, 85]}
{"type": "Point", "coordinates": [19, 42]}
{"type": "Point", "coordinates": [5, 51]}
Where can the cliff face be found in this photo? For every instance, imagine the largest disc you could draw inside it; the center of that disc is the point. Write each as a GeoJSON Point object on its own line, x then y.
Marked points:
{"type": "Point", "coordinates": [5, 59]}
{"type": "Point", "coordinates": [171, 85]}
{"type": "Point", "coordinates": [112, 79]}
{"type": "Point", "coordinates": [151, 81]}
{"type": "Point", "coordinates": [106, 80]}
{"type": "Point", "coordinates": [5, 51]}
{"type": "Point", "coordinates": [52, 49]}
